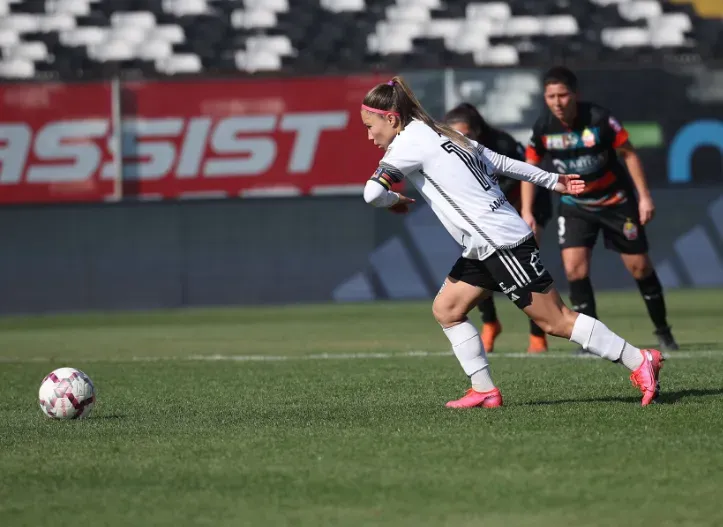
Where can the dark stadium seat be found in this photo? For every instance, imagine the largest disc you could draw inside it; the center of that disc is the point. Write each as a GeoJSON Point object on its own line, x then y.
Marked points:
{"type": "Point", "coordinates": [97, 38]}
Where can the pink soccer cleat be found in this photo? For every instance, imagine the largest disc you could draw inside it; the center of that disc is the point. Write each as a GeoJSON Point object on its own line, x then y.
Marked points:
{"type": "Point", "coordinates": [646, 376]}
{"type": "Point", "coordinates": [472, 399]}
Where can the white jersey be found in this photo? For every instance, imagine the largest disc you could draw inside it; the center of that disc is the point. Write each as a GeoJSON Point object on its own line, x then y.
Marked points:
{"type": "Point", "coordinates": [461, 187]}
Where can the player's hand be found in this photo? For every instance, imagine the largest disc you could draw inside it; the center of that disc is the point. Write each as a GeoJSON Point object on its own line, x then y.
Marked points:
{"type": "Point", "coordinates": [646, 209]}
{"type": "Point", "coordinates": [570, 184]}
{"type": "Point", "coordinates": [530, 220]}
{"type": "Point", "coordinates": [401, 206]}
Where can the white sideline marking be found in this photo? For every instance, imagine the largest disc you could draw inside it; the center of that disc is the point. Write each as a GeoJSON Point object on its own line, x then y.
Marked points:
{"type": "Point", "coordinates": [676, 355]}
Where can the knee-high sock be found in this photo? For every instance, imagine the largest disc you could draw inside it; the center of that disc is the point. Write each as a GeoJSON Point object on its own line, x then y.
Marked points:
{"type": "Point", "coordinates": [468, 349]}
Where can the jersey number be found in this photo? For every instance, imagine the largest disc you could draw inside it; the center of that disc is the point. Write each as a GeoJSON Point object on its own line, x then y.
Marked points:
{"type": "Point", "coordinates": [471, 161]}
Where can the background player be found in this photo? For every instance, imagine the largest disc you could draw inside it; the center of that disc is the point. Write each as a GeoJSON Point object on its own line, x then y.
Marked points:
{"type": "Point", "coordinates": [457, 177]}
{"type": "Point", "coordinates": [584, 138]}
{"type": "Point", "coordinates": [467, 120]}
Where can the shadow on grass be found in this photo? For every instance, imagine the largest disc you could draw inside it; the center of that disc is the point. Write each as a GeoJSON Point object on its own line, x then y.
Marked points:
{"type": "Point", "coordinates": [665, 398]}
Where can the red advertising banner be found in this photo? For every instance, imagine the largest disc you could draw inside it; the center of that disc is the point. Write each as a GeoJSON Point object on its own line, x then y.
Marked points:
{"type": "Point", "coordinates": [54, 142]}
{"type": "Point", "coordinates": [182, 139]}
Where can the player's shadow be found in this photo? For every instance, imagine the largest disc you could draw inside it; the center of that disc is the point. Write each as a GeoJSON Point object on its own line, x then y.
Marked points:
{"type": "Point", "coordinates": [111, 417]}
{"type": "Point", "coordinates": [673, 397]}
{"type": "Point", "coordinates": [665, 398]}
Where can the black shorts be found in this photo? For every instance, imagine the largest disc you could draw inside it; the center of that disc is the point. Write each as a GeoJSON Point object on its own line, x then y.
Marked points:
{"type": "Point", "coordinates": [517, 272]}
{"type": "Point", "coordinates": [620, 226]}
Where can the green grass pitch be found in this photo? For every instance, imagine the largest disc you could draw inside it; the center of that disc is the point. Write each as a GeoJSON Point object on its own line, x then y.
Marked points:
{"type": "Point", "coordinates": [334, 415]}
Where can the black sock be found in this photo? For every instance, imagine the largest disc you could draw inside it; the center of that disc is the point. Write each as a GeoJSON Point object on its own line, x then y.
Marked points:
{"type": "Point", "coordinates": [582, 297]}
{"type": "Point", "coordinates": [652, 292]}
{"type": "Point", "coordinates": [536, 330]}
{"type": "Point", "coordinates": [487, 308]}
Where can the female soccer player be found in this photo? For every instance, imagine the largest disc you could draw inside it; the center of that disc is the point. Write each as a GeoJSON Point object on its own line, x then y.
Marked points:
{"type": "Point", "coordinates": [467, 120]}
{"type": "Point", "coordinates": [584, 137]}
{"type": "Point", "coordinates": [458, 178]}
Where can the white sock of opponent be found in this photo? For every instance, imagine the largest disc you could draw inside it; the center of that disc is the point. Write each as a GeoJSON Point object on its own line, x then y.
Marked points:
{"type": "Point", "coordinates": [471, 355]}
{"type": "Point", "coordinates": [595, 337]}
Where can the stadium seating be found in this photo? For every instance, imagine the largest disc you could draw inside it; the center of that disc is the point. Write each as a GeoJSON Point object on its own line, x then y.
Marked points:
{"type": "Point", "coordinates": [99, 38]}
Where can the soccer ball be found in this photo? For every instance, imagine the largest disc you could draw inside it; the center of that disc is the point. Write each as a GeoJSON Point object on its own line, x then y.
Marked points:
{"type": "Point", "coordinates": [66, 393]}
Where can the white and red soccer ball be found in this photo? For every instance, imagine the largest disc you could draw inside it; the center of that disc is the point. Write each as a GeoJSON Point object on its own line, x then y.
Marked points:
{"type": "Point", "coordinates": [66, 393]}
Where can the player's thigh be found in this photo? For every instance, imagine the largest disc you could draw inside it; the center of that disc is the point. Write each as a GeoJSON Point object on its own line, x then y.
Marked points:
{"type": "Point", "coordinates": [622, 231]}
{"type": "Point", "coordinates": [549, 312]}
{"type": "Point", "coordinates": [462, 290]}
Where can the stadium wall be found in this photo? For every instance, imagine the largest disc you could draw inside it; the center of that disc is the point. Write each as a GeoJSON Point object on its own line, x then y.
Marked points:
{"type": "Point", "coordinates": [78, 234]}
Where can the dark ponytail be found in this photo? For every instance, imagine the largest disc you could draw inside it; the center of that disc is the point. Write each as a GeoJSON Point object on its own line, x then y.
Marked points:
{"type": "Point", "coordinates": [397, 96]}
{"type": "Point", "coordinates": [467, 113]}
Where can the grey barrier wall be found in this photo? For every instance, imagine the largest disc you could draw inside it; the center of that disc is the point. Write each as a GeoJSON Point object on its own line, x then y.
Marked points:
{"type": "Point", "coordinates": [194, 253]}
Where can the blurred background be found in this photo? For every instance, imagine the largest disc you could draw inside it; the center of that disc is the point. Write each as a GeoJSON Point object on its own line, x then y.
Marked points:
{"type": "Point", "coordinates": [167, 153]}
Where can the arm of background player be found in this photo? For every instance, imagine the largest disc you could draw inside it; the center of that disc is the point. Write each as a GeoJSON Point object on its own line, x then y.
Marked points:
{"type": "Point", "coordinates": [520, 170]}
{"type": "Point", "coordinates": [527, 192]}
{"type": "Point", "coordinates": [635, 167]}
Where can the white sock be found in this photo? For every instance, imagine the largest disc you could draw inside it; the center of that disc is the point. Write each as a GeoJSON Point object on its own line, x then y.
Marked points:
{"type": "Point", "coordinates": [595, 337]}
{"type": "Point", "coordinates": [631, 357]}
{"type": "Point", "coordinates": [471, 355]}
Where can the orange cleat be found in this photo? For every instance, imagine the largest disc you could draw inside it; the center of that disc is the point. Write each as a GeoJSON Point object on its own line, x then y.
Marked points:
{"type": "Point", "coordinates": [490, 331]}
{"type": "Point", "coordinates": [646, 376]}
{"type": "Point", "coordinates": [472, 399]}
{"type": "Point", "coordinates": [537, 344]}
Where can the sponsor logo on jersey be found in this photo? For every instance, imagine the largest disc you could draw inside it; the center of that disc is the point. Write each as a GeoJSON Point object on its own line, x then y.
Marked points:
{"type": "Point", "coordinates": [630, 230]}
{"type": "Point", "coordinates": [571, 140]}
{"type": "Point", "coordinates": [581, 165]}
{"type": "Point", "coordinates": [496, 204]}
{"type": "Point", "coordinates": [588, 138]}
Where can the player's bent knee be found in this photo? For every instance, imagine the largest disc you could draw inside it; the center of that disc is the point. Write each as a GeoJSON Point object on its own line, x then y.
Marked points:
{"type": "Point", "coordinates": [447, 313]}
{"type": "Point", "coordinates": [576, 272]}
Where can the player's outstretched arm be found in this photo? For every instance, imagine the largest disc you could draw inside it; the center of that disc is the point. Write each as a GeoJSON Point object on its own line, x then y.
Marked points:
{"type": "Point", "coordinates": [521, 170]}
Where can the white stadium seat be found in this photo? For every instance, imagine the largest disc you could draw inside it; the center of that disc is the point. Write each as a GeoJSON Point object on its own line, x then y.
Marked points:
{"type": "Point", "coordinates": [83, 36]}
{"type": "Point", "coordinates": [640, 9]}
{"type": "Point", "coordinates": [112, 50]}
{"type": "Point", "coordinates": [341, 6]}
{"type": "Point", "coordinates": [21, 22]}
{"type": "Point", "coordinates": [497, 56]}
{"type": "Point", "coordinates": [560, 25]}
{"type": "Point", "coordinates": [259, 61]}
{"type": "Point", "coordinates": [181, 63]}
{"type": "Point", "coordinates": [71, 7]}
{"type": "Point", "coordinates": [255, 18]}
{"type": "Point", "coordinates": [625, 37]}
{"type": "Point", "coordinates": [490, 11]}
{"type": "Point", "coordinates": [34, 51]}
{"type": "Point", "coordinates": [168, 32]}
{"type": "Point", "coordinates": [8, 37]}
{"type": "Point", "coordinates": [57, 22]}
{"type": "Point", "coordinates": [139, 19]}
{"type": "Point", "coordinates": [154, 49]}
{"type": "Point", "coordinates": [17, 69]}
{"type": "Point", "coordinates": [278, 6]}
